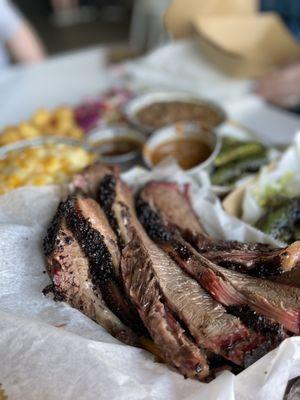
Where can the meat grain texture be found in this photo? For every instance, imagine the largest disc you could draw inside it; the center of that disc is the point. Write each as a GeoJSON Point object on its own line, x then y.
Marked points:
{"type": "Point", "coordinates": [147, 269]}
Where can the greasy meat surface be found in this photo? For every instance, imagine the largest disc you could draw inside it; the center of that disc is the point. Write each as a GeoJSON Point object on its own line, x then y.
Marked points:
{"type": "Point", "coordinates": [174, 208]}
{"type": "Point", "coordinates": [173, 204]}
{"type": "Point", "coordinates": [107, 193]}
{"type": "Point", "coordinates": [88, 180]}
{"type": "Point", "coordinates": [102, 183]}
{"type": "Point", "coordinates": [92, 235]}
{"type": "Point", "coordinates": [207, 321]}
{"type": "Point", "coordinates": [69, 270]}
{"type": "Point", "coordinates": [91, 212]}
{"type": "Point", "coordinates": [163, 275]}
{"type": "Point", "coordinates": [188, 258]}
{"type": "Point", "coordinates": [272, 330]}
{"type": "Point", "coordinates": [278, 302]}
{"type": "Point", "coordinates": [175, 347]}
{"type": "Point", "coordinates": [253, 258]}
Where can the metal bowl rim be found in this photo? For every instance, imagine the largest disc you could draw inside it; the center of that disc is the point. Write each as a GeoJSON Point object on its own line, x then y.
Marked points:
{"type": "Point", "coordinates": [144, 100]}
{"type": "Point", "coordinates": [39, 142]}
{"type": "Point", "coordinates": [201, 166]}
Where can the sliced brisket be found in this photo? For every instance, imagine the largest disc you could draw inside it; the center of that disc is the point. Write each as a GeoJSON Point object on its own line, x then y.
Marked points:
{"type": "Point", "coordinates": [278, 302]}
{"type": "Point", "coordinates": [272, 330]}
{"type": "Point", "coordinates": [100, 182]}
{"type": "Point", "coordinates": [174, 208]}
{"type": "Point", "coordinates": [69, 271]}
{"type": "Point", "coordinates": [291, 278]}
{"type": "Point", "coordinates": [206, 320]}
{"type": "Point", "coordinates": [90, 227]}
{"type": "Point", "coordinates": [186, 256]}
{"type": "Point", "coordinates": [142, 285]}
{"type": "Point", "coordinates": [88, 180]}
{"type": "Point", "coordinates": [185, 319]}
{"type": "Point", "coordinates": [95, 216]}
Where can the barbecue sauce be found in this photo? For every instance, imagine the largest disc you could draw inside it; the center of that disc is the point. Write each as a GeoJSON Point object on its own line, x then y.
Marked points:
{"type": "Point", "coordinates": [189, 152]}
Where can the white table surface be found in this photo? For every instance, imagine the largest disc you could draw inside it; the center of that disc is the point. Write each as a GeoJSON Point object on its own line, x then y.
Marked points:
{"type": "Point", "coordinates": [70, 78]}
{"type": "Point", "coordinates": [65, 79]}
{"type": "Point", "coordinates": [270, 124]}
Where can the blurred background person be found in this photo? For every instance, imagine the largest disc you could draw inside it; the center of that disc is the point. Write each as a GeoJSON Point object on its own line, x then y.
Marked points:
{"type": "Point", "coordinates": [18, 41]}
{"type": "Point", "coordinates": [282, 87]}
{"type": "Point", "coordinates": [147, 29]}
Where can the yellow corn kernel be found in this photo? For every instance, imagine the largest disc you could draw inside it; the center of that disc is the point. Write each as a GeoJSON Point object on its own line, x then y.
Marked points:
{"type": "Point", "coordinates": [41, 117]}
{"type": "Point", "coordinates": [51, 164]}
{"type": "Point", "coordinates": [62, 127]}
{"type": "Point", "coordinates": [13, 182]}
{"type": "Point", "coordinates": [64, 113]}
{"type": "Point", "coordinates": [28, 131]}
{"type": "Point", "coordinates": [38, 180]}
{"type": "Point", "coordinates": [30, 152]}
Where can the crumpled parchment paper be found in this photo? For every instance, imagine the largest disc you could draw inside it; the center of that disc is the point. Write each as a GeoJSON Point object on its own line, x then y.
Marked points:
{"type": "Point", "coordinates": [50, 351]}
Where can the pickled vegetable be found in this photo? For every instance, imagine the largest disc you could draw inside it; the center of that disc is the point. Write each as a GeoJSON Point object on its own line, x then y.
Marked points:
{"type": "Point", "coordinates": [238, 159]}
{"type": "Point", "coordinates": [230, 154]}
{"type": "Point", "coordinates": [230, 173]}
{"type": "Point", "coordinates": [282, 222]}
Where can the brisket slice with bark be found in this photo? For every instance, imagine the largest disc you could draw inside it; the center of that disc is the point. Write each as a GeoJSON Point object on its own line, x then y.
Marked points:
{"type": "Point", "coordinates": [278, 302]}
{"type": "Point", "coordinates": [99, 181]}
{"type": "Point", "coordinates": [69, 271]}
{"type": "Point", "coordinates": [175, 347]}
{"type": "Point", "coordinates": [90, 227]}
{"type": "Point", "coordinates": [186, 256]}
{"type": "Point", "coordinates": [273, 331]}
{"type": "Point", "coordinates": [95, 216]}
{"type": "Point", "coordinates": [88, 180]}
{"type": "Point", "coordinates": [174, 208]}
{"type": "Point", "coordinates": [206, 320]}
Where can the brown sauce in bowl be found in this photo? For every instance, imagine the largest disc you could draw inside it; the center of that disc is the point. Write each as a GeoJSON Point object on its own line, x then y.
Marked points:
{"type": "Point", "coordinates": [117, 146]}
{"type": "Point", "coordinates": [162, 113]}
{"type": "Point", "coordinates": [189, 152]}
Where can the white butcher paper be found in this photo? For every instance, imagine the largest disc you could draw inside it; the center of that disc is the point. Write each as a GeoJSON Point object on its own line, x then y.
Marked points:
{"type": "Point", "coordinates": [50, 351]}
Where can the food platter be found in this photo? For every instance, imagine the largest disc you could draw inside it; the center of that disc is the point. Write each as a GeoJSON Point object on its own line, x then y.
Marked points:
{"type": "Point", "coordinates": [148, 278]}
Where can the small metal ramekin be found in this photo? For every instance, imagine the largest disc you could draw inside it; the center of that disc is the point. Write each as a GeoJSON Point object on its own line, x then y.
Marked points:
{"type": "Point", "coordinates": [185, 129]}
{"type": "Point", "coordinates": [126, 160]}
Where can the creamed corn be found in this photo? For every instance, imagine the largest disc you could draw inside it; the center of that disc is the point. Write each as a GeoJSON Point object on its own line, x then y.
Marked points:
{"type": "Point", "coordinates": [42, 165]}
